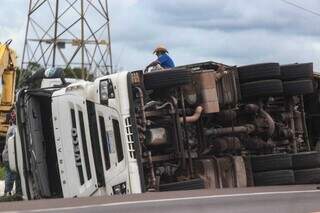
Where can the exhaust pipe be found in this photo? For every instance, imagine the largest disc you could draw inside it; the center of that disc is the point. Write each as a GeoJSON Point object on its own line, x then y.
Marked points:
{"type": "Point", "coordinates": [195, 117]}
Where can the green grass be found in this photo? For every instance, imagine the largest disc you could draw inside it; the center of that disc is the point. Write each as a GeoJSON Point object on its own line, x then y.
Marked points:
{"type": "Point", "coordinates": [1, 172]}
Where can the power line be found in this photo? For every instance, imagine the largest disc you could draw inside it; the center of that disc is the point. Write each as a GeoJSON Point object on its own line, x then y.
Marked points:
{"type": "Point", "coordinates": [302, 8]}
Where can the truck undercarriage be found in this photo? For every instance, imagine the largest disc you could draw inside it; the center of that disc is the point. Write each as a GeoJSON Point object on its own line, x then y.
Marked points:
{"type": "Point", "coordinates": [210, 125]}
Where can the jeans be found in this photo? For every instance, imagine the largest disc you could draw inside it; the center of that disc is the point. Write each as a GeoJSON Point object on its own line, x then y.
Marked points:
{"type": "Point", "coordinates": [9, 178]}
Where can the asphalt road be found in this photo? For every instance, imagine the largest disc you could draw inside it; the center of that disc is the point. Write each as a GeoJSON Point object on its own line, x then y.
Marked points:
{"type": "Point", "coordinates": [293, 199]}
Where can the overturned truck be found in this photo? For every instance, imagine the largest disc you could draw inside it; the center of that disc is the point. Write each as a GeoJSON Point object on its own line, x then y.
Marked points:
{"type": "Point", "coordinates": [205, 125]}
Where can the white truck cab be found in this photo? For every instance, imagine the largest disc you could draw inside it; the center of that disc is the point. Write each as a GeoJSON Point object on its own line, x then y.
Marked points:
{"type": "Point", "coordinates": [77, 141]}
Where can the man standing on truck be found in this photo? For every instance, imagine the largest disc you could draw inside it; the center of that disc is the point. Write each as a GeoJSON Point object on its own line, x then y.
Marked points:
{"type": "Point", "coordinates": [163, 61]}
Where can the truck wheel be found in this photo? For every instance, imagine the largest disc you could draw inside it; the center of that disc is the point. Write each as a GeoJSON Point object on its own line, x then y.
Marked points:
{"type": "Point", "coordinates": [271, 162]}
{"type": "Point", "coordinates": [168, 78]}
{"type": "Point", "coordinates": [280, 177]}
{"type": "Point", "coordinates": [296, 71]}
{"type": "Point", "coordinates": [306, 160]}
{"type": "Point", "coordinates": [262, 88]}
{"type": "Point", "coordinates": [301, 87]}
{"type": "Point", "coordinates": [257, 72]}
{"type": "Point", "coordinates": [307, 176]}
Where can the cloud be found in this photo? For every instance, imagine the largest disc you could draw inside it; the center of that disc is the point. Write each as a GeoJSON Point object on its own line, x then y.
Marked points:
{"type": "Point", "coordinates": [231, 31]}
{"type": "Point", "coordinates": [235, 15]}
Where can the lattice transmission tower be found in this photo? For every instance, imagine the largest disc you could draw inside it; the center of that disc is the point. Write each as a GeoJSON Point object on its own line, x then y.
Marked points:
{"type": "Point", "coordinates": [69, 34]}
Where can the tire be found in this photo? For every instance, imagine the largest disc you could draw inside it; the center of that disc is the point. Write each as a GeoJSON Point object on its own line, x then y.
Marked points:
{"type": "Point", "coordinates": [256, 72]}
{"type": "Point", "coordinates": [307, 176]}
{"type": "Point", "coordinates": [271, 178]}
{"type": "Point", "coordinates": [183, 185]}
{"type": "Point", "coordinates": [292, 88]}
{"type": "Point", "coordinates": [271, 162]}
{"type": "Point", "coordinates": [262, 88]}
{"type": "Point", "coordinates": [167, 79]}
{"type": "Point", "coordinates": [306, 160]}
{"type": "Point", "coordinates": [296, 71]}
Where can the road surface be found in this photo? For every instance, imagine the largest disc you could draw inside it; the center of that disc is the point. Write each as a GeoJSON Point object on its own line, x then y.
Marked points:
{"type": "Point", "coordinates": [293, 199]}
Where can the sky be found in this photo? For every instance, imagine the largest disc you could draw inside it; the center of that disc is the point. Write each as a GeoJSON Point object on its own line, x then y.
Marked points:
{"type": "Point", "coordinates": [233, 32]}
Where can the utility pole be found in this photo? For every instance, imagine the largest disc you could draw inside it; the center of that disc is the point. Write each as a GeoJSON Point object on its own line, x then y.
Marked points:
{"type": "Point", "coordinates": [68, 34]}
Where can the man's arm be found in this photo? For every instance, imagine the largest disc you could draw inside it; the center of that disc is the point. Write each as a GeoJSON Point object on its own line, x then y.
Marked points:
{"type": "Point", "coordinates": [152, 64]}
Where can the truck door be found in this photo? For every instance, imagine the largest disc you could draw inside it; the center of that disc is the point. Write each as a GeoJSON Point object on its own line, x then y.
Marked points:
{"type": "Point", "coordinates": [113, 150]}
{"type": "Point", "coordinates": [73, 143]}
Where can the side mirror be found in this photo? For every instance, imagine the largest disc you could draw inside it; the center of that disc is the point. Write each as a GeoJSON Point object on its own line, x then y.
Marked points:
{"type": "Point", "coordinates": [50, 73]}
{"type": "Point", "coordinates": [53, 73]}
{"type": "Point", "coordinates": [106, 91]}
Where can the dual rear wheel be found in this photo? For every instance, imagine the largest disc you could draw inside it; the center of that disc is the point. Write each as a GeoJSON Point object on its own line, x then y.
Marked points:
{"type": "Point", "coordinates": [271, 79]}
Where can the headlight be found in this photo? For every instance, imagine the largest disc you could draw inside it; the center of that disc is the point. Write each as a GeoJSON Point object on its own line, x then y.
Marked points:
{"type": "Point", "coordinates": [106, 91]}
{"type": "Point", "coordinates": [120, 189]}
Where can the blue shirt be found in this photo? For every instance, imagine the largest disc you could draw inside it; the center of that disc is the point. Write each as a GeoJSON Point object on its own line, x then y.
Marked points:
{"type": "Point", "coordinates": [165, 61]}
